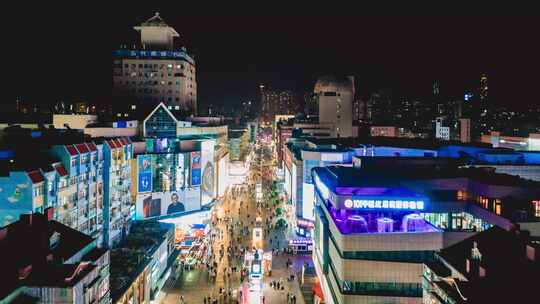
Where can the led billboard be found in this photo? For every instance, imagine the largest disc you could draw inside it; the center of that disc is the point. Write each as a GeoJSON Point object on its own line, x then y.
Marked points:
{"type": "Point", "coordinates": [167, 203]}
{"type": "Point", "coordinates": [145, 173]}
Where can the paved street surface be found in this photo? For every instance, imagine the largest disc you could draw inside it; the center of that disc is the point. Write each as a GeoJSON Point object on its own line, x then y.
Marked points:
{"type": "Point", "coordinates": [237, 211]}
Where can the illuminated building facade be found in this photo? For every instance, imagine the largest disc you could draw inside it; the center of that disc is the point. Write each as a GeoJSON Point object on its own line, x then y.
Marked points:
{"type": "Point", "coordinates": [79, 188]}
{"type": "Point", "coordinates": [156, 71]}
{"type": "Point", "coordinates": [118, 207]}
{"type": "Point", "coordinates": [376, 226]}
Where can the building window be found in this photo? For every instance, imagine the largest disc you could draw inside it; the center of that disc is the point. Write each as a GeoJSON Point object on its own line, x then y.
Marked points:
{"type": "Point", "coordinates": [498, 206]}
{"type": "Point", "coordinates": [536, 208]}
{"type": "Point", "coordinates": [461, 195]}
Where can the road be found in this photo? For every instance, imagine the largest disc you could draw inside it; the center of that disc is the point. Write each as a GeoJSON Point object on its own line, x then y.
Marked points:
{"type": "Point", "coordinates": [237, 211]}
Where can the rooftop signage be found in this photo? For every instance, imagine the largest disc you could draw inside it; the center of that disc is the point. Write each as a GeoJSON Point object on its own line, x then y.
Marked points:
{"type": "Point", "coordinates": [154, 54]}
{"type": "Point", "coordinates": [387, 203]}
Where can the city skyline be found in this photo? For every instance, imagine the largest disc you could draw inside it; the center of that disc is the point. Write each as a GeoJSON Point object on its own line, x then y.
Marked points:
{"type": "Point", "coordinates": [171, 155]}
{"type": "Point", "coordinates": [290, 52]}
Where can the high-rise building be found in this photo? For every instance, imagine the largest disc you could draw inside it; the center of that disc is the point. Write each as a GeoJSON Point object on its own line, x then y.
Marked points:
{"type": "Point", "coordinates": [378, 108]}
{"type": "Point", "coordinates": [335, 97]}
{"type": "Point", "coordinates": [483, 88]}
{"type": "Point", "coordinates": [276, 102]}
{"type": "Point", "coordinates": [483, 109]}
{"type": "Point", "coordinates": [311, 107]}
{"type": "Point", "coordinates": [156, 71]}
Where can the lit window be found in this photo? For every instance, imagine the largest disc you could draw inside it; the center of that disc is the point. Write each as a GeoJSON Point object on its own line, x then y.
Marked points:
{"type": "Point", "coordinates": [536, 208]}
{"type": "Point", "coordinates": [133, 107]}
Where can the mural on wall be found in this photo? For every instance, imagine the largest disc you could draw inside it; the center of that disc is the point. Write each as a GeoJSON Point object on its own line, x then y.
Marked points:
{"type": "Point", "coordinates": [208, 172]}
{"type": "Point", "coordinates": [15, 197]}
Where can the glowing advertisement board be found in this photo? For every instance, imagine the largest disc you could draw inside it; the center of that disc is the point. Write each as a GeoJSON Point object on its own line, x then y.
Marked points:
{"type": "Point", "coordinates": [308, 201]}
{"type": "Point", "coordinates": [145, 173]}
{"type": "Point", "coordinates": [195, 168]}
{"type": "Point", "coordinates": [389, 203]}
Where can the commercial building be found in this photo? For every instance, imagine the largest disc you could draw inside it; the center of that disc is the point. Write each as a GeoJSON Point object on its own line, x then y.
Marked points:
{"type": "Point", "coordinates": [178, 175]}
{"type": "Point", "coordinates": [300, 155]}
{"type": "Point", "coordinates": [156, 71]}
{"type": "Point", "coordinates": [43, 261]}
{"type": "Point", "coordinates": [376, 225]}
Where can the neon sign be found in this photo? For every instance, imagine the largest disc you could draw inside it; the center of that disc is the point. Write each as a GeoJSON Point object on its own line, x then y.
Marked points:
{"type": "Point", "coordinates": [300, 241]}
{"type": "Point", "coordinates": [384, 204]}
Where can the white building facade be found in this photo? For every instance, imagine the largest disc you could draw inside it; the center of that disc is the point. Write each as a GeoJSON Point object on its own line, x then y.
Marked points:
{"type": "Point", "coordinates": [156, 72]}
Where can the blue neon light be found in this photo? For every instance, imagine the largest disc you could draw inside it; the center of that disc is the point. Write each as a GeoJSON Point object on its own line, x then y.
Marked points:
{"type": "Point", "coordinates": [153, 54]}
{"type": "Point", "coordinates": [321, 187]}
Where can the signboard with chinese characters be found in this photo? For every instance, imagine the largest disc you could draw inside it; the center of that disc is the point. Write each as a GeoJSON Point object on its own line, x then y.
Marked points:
{"type": "Point", "coordinates": [413, 204]}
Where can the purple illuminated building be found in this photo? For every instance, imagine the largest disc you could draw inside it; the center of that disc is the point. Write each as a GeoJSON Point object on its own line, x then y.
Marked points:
{"type": "Point", "coordinates": [375, 229]}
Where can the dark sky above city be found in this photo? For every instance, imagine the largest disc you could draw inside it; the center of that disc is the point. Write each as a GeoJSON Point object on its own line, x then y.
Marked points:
{"type": "Point", "coordinates": [66, 53]}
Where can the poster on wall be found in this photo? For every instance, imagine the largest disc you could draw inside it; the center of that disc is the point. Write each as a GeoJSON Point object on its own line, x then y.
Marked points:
{"type": "Point", "coordinates": [167, 203]}
{"type": "Point", "coordinates": [144, 165]}
{"type": "Point", "coordinates": [195, 168]}
{"type": "Point", "coordinates": [208, 172]}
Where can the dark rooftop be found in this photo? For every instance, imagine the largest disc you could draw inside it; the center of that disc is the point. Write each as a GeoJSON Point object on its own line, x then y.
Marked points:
{"type": "Point", "coordinates": [130, 258]}
{"type": "Point", "coordinates": [27, 245]}
{"type": "Point", "coordinates": [508, 271]}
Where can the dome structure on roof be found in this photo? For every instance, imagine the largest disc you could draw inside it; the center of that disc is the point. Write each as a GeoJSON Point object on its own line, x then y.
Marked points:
{"type": "Point", "coordinates": [332, 83]}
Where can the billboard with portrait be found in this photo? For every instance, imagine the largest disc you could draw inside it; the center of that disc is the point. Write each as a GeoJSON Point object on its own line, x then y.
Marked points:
{"type": "Point", "coordinates": [167, 203]}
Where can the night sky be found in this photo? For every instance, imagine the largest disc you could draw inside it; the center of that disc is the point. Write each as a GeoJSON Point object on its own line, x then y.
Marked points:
{"type": "Point", "coordinates": [66, 53]}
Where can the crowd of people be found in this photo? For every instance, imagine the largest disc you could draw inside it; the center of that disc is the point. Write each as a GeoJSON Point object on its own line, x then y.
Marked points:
{"type": "Point", "coordinates": [229, 239]}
